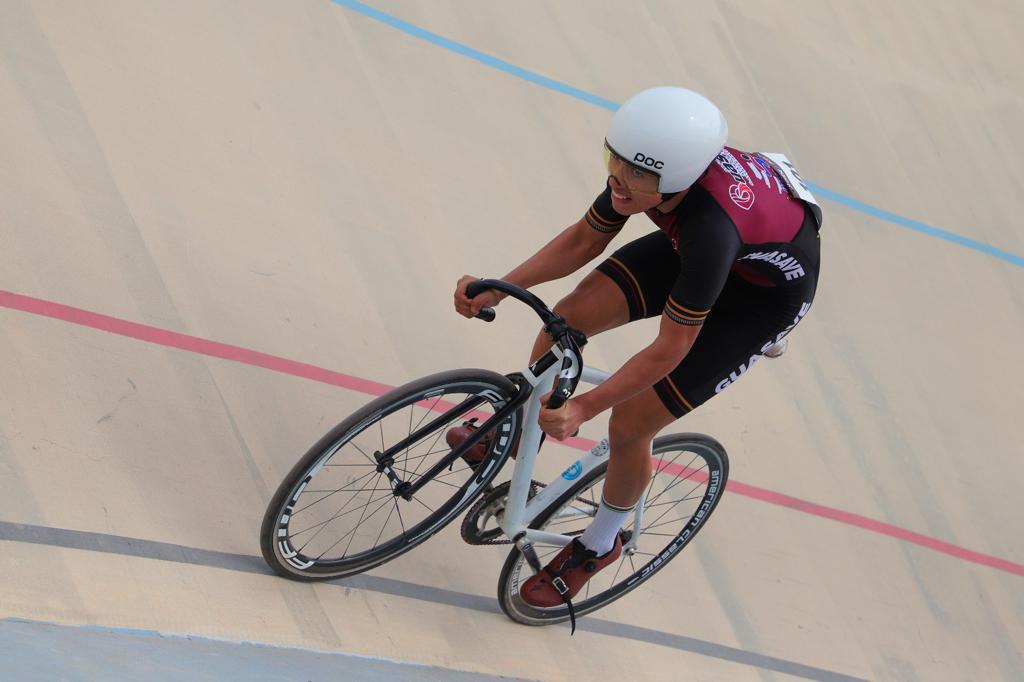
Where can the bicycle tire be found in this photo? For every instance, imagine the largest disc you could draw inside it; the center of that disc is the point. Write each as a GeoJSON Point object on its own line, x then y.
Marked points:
{"type": "Point", "coordinates": [582, 494]}
{"type": "Point", "coordinates": [279, 531]}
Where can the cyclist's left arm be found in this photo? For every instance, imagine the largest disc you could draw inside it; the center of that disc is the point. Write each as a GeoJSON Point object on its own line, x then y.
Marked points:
{"type": "Point", "coordinates": [643, 370]}
{"type": "Point", "coordinates": [707, 247]}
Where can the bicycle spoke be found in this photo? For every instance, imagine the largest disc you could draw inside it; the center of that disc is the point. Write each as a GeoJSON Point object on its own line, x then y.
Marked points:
{"type": "Point", "coordinates": [663, 466]}
{"type": "Point", "coordinates": [401, 522]}
{"type": "Point", "coordinates": [440, 432]}
{"type": "Point", "coordinates": [350, 533]}
{"type": "Point", "coordinates": [371, 460]}
{"type": "Point", "coordinates": [353, 531]}
{"type": "Point", "coordinates": [346, 490]}
{"type": "Point", "coordinates": [322, 524]}
{"type": "Point", "coordinates": [412, 411]}
{"type": "Point", "coordinates": [679, 481]}
{"type": "Point", "coordinates": [662, 504]}
{"type": "Point", "coordinates": [658, 525]}
{"type": "Point", "coordinates": [425, 454]}
{"type": "Point", "coordinates": [617, 571]}
{"type": "Point", "coordinates": [552, 551]}
{"type": "Point", "coordinates": [450, 485]}
{"type": "Point", "coordinates": [572, 515]}
{"type": "Point", "coordinates": [326, 496]}
{"type": "Point", "coordinates": [426, 413]}
{"type": "Point", "coordinates": [416, 499]}
{"type": "Point", "coordinates": [320, 527]}
{"type": "Point", "coordinates": [386, 521]}
{"type": "Point", "coordinates": [345, 465]}
{"type": "Point", "coordinates": [662, 515]}
{"type": "Point", "coordinates": [457, 473]}
{"type": "Point", "coordinates": [673, 506]}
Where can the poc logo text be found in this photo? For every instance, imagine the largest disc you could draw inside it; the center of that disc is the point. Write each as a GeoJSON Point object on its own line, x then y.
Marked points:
{"type": "Point", "coordinates": [648, 161]}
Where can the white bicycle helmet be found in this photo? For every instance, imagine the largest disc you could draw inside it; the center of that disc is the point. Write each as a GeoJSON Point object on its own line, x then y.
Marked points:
{"type": "Point", "coordinates": [672, 132]}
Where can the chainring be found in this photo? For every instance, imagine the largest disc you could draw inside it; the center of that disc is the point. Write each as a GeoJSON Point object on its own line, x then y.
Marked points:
{"type": "Point", "coordinates": [480, 527]}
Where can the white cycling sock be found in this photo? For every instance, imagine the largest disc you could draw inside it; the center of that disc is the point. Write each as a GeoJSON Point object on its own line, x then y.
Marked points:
{"type": "Point", "coordinates": [600, 534]}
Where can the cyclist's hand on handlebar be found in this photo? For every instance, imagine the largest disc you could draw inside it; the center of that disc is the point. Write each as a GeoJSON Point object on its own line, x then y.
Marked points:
{"type": "Point", "coordinates": [469, 307]}
{"type": "Point", "coordinates": [563, 422]}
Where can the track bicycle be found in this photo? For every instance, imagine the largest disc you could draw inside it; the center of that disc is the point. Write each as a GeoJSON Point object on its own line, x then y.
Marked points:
{"type": "Point", "coordinates": [385, 480]}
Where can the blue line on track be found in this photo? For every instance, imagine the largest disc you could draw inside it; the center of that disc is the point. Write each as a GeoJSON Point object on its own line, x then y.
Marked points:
{"type": "Point", "coordinates": [550, 84]}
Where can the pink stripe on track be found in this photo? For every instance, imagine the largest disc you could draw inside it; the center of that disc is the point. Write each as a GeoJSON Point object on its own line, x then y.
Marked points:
{"type": "Point", "coordinates": [194, 344]}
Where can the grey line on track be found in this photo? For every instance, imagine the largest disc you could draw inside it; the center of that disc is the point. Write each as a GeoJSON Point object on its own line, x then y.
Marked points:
{"type": "Point", "coordinates": [162, 551]}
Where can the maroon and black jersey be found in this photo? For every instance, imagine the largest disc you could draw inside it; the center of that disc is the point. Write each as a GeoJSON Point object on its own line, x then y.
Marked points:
{"type": "Point", "coordinates": [740, 217]}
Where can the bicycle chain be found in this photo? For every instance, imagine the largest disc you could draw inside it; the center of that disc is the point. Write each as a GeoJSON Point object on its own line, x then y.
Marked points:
{"type": "Point", "coordinates": [490, 505]}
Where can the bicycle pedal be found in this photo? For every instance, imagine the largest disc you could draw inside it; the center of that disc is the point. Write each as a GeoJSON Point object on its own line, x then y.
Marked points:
{"type": "Point", "coordinates": [529, 553]}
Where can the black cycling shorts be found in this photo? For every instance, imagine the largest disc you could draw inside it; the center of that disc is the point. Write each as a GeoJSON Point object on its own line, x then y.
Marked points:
{"type": "Point", "coordinates": [744, 321]}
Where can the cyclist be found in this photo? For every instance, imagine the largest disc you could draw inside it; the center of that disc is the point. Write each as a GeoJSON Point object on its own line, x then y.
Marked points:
{"type": "Point", "coordinates": [731, 270]}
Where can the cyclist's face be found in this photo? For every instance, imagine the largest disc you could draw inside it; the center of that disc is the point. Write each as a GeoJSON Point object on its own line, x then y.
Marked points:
{"type": "Point", "coordinates": [634, 190]}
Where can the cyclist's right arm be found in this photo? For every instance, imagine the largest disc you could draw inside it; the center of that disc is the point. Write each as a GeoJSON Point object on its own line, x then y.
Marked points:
{"type": "Point", "coordinates": [574, 247]}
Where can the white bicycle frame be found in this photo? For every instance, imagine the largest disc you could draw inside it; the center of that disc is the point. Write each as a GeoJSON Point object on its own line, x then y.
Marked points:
{"type": "Point", "coordinates": [519, 511]}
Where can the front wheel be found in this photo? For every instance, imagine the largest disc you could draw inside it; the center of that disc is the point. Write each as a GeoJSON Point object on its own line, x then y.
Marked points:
{"type": "Point", "coordinates": [689, 476]}
{"type": "Point", "coordinates": [347, 505]}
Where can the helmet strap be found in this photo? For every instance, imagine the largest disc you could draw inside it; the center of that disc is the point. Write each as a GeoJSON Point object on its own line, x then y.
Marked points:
{"type": "Point", "coordinates": [665, 198]}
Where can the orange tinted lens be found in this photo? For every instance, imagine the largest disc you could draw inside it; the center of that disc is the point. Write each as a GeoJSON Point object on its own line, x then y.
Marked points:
{"type": "Point", "coordinates": [608, 158]}
{"type": "Point", "coordinates": [644, 182]}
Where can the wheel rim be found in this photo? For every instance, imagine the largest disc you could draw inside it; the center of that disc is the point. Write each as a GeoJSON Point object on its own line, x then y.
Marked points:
{"type": "Point", "coordinates": [343, 511]}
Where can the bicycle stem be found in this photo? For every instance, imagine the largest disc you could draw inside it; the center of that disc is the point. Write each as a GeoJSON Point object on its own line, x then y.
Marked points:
{"type": "Point", "coordinates": [569, 341]}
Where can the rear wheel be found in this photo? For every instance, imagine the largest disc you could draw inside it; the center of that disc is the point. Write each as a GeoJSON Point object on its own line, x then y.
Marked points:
{"type": "Point", "coordinates": [689, 477]}
{"type": "Point", "coordinates": [341, 509]}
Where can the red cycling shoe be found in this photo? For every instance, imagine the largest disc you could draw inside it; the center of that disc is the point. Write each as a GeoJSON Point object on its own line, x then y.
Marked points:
{"type": "Point", "coordinates": [457, 435]}
{"type": "Point", "coordinates": [565, 576]}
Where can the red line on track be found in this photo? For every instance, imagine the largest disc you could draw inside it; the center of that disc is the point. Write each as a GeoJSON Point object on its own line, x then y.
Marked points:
{"type": "Point", "coordinates": [194, 344]}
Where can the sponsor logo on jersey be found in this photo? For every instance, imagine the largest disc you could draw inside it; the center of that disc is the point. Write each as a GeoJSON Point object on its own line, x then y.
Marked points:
{"type": "Point", "coordinates": [763, 171]}
{"type": "Point", "coordinates": [739, 371]}
{"type": "Point", "coordinates": [732, 166]}
{"type": "Point", "coordinates": [789, 265]}
{"type": "Point", "coordinates": [742, 195]}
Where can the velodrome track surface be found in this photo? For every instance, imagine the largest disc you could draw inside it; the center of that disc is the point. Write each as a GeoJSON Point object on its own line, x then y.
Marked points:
{"type": "Point", "coordinates": [227, 225]}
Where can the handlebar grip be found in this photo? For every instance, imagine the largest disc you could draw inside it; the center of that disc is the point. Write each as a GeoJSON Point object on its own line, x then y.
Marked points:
{"type": "Point", "coordinates": [475, 289]}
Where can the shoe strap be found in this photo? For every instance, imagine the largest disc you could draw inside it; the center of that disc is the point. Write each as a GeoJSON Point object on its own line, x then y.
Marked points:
{"type": "Point", "coordinates": [563, 591]}
{"type": "Point", "coordinates": [577, 556]}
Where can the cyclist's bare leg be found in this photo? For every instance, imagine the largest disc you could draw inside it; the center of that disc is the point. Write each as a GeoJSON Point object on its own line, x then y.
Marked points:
{"type": "Point", "coordinates": [595, 305]}
{"type": "Point", "coordinates": [633, 425]}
